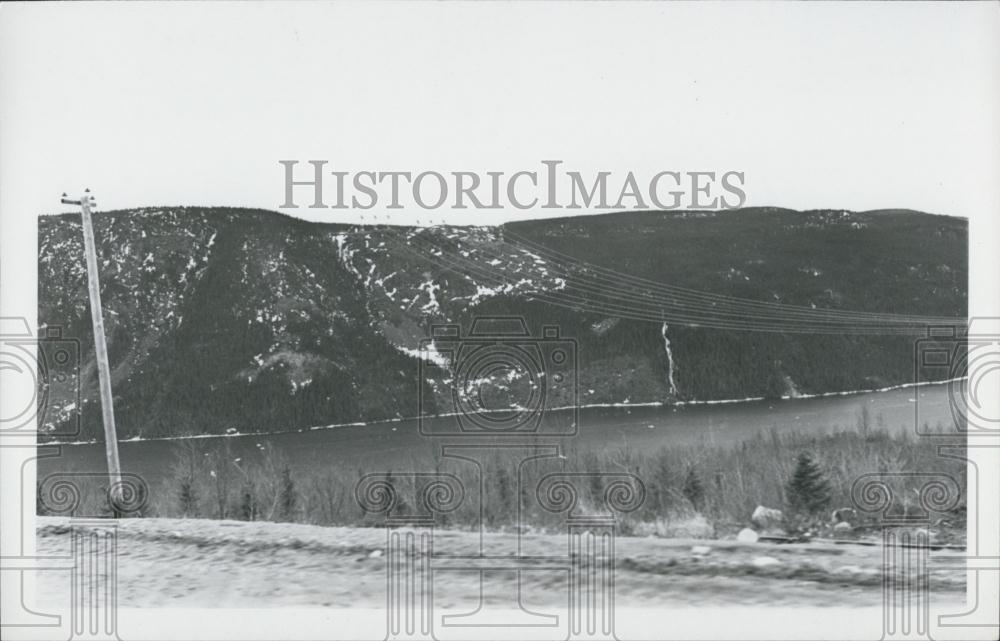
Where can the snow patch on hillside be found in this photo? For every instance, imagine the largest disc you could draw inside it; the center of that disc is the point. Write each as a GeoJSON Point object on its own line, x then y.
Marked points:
{"type": "Point", "coordinates": [427, 353]}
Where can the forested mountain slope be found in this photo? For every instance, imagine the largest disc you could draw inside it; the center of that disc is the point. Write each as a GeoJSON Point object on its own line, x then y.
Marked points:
{"type": "Point", "coordinates": [222, 319]}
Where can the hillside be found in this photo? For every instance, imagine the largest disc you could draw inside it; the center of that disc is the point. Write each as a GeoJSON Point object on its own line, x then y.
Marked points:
{"type": "Point", "coordinates": [222, 319]}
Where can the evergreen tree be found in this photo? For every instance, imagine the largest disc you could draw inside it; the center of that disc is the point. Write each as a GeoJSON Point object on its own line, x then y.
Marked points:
{"type": "Point", "coordinates": [248, 503]}
{"type": "Point", "coordinates": [808, 491]}
{"type": "Point", "coordinates": [692, 489]}
{"type": "Point", "coordinates": [289, 498]}
{"type": "Point", "coordinates": [663, 478]}
{"type": "Point", "coordinates": [188, 497]}
{"type": "Point", "coordinates": [400, 506]}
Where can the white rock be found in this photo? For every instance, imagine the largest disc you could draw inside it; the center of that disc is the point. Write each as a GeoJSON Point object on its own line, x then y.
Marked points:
{"type": "Point", "coordinates": [765, 561]}
{"type": "Point", "coordinates": [374, 554]}
{"type": "Point", "coordinates": [701, 550]}
{"type": "Point", "coordinates": [843, 526]}
{"type": "Point", "coordinates": [767, 518]}
{"type": "Point", "coordinates": [746, 535]}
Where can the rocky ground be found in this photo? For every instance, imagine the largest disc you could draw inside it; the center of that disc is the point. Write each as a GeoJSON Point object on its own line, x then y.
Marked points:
{"type": "Point", "coordinates": [199, 563]}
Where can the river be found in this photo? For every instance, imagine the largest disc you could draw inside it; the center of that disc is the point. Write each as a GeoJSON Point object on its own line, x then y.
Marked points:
{"type": "Point", "coordinates": [378, 445]}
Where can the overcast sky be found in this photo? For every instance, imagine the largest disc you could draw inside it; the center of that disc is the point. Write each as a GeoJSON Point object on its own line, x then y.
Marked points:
{"type": "Point", "coordinates": [855, 106]}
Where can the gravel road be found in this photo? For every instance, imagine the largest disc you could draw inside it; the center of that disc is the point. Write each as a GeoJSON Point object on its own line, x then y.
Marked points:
{"type": "Point", "coordinates": [202, 563]}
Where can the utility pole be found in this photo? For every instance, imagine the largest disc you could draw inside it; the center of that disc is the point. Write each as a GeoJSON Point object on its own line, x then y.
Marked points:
{"type": "Point", "coordinates": [100, 348]}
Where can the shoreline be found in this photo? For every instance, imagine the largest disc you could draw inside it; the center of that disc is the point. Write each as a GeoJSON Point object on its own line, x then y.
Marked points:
{"type": "Point", "coordinates": [647, 404]}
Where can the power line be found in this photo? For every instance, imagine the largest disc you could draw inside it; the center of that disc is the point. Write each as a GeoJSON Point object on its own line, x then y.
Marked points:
{"type": "Point", "coordinates": [587, 287]}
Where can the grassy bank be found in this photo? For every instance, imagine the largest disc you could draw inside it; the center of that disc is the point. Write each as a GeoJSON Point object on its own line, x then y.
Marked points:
{"type": "Point", "coordinates": [701, 491]}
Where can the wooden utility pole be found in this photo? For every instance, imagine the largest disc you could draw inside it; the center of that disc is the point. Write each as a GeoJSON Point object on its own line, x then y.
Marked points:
{"type": "Point", "coordinates": [100, 349]}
